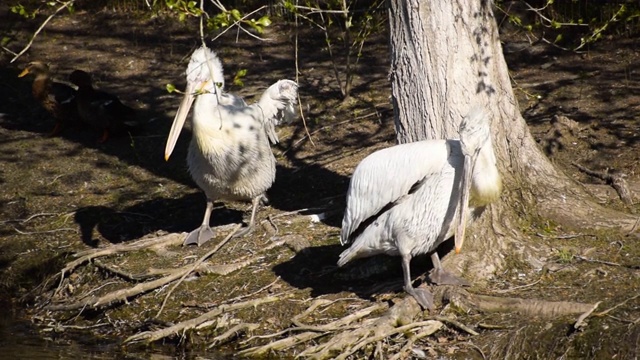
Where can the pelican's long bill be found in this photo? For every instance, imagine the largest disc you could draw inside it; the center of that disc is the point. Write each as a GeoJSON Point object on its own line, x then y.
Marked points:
{"type": "Point", "coordinates": [465, 189]}
{"type": "Point", "coordinates": [178, 121]}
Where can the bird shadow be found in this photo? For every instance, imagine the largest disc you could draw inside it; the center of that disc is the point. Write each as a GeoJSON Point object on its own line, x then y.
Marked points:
{"type": "Point", "coordinates": [315, 268]}
{"type": "Point", "coordinates": [171, 215]}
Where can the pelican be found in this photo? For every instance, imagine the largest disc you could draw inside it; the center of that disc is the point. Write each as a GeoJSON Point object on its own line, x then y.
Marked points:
{"type": "Point", "coordinates": [56, 98]}
{"type": "Point", "coordinates": [229, 156]}
{"type": "Point", "coordinates": [101, 110]}
{"type": "Point", "coordinates": [407, 199]}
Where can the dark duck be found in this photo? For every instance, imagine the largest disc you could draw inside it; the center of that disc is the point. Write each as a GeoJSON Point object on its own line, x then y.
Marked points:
{"type": "Point", "coordinates": [56, 98]}
{"type": "Point", "coordinates": [103, 111]}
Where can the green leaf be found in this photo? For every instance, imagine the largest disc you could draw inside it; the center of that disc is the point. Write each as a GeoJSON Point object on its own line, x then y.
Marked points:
{"type": "Point", "coordinates": [171, 88]}
{"type": "Point", "coordinates": [236, 15]}
{"type": "Point", "coordinates": [237, 79]}
{"type": "Point", "coordinates": [264, 21]}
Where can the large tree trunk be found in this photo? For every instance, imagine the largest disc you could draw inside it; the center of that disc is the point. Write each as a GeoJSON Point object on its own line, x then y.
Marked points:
{"type": "Point", "coordinates": [445, 58]}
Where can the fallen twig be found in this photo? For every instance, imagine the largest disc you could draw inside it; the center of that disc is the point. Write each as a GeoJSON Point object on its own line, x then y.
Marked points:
{"type": "Point", "coordinates": [579, 257]}
{"type": "Point", "coordinates": [455, 323]}
{"type": "Point", "coordinates": [616, 306]}
{"type": "Point", "coordinates": [232, 332]}
{"type": "Point", "coordinates": [580, 321]}
{"type": "Point", "coordinates": [62, 7]}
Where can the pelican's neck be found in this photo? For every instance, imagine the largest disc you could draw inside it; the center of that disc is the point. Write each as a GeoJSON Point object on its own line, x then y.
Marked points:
{"type": "Point", "coordinates": [208, 132]}
{"type": "Point", "coordinates": [205, 112]}
{"type": "Point", "coordinates": [487, 183]}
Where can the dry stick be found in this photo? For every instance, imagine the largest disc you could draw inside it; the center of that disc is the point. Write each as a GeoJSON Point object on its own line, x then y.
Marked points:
{"type": "Point", "coordinates": [22, 221]}
{"type": "Point", "coordinates": [618, 305]}
{"type": "Point", "coordinates": [327, 126]}
{"type": "Point", "coordinates": [580, 321]}
{"type": "Point", "coordinates": [234, 330]}
{"type": "Point", "coordinates": [121, 273]}
{"type": "Point", "coordinates": [579, 257]}
{"type": "Point", "coordinates": [119, 295]}
{"type": "Point", "coordinates": [281, 344]}
{"type": "Point", "coordinates": [455, 323]}
{"type": "Point", "coordinates": [222, 269]}
{"type": "Point", "coordinates": [238, 298]}
{"type": "Point", "coordinates": [64, 5]}
{"type": "Point", "coordinates": [196, 264]}
{"type": "Point", "coordinates": [617, 181]}
{"type": "Point", "coordinates": [304, 121]}
{"type": "Point", "coordinates": [150, 336]}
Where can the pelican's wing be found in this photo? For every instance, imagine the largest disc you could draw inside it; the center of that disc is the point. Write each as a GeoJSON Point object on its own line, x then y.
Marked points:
{"type": "Point", "coordinates": [384, 177]}
{"type": "Point", "coordinates": [277, 105]}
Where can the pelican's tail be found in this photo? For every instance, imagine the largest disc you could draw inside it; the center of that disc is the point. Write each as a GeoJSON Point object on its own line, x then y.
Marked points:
{"type": "Point", "coordinates": [277, 106]}
{"type": "Point", "coordinates": [346, 256]}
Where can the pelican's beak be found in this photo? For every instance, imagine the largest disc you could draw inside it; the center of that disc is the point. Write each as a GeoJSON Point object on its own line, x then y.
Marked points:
{"type": "Point", "coordinates": [178, 122]}
{"type": "Point", "coordinates": [24, 72]}
{"type": "Point", "coordinates": [465, 189]}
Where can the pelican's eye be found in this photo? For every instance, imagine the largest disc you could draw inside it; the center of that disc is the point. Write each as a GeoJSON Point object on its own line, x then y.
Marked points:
{"type": "Point", "coordinates": [219, 85]}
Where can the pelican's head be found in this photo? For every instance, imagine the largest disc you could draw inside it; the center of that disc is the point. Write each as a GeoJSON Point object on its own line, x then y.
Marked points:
{"type": "Point", "coordinates": [205, 71]}
{"type": "Point", "coordinates": [204, 75]}
{"type": "Point", "coordinates": [475, 131]}
{"type": "Point", "coordinates": [475, 134]}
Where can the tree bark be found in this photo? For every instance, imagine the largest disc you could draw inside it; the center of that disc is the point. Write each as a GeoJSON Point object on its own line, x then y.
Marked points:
{"type": "Point", "coordinates": [446, 57]}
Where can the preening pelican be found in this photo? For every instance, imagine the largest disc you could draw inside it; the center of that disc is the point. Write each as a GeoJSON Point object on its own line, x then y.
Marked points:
{"type": "Point", "coordinates": [56, 98]}
{"type": "Point", "coordinates": [229, 156]}
{"type": "Point", "coordinates": [406, 200]}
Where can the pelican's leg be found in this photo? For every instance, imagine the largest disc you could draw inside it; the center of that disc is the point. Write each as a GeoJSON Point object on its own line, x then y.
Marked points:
{"type": "Point", "coordinates": [422, 296]}
{"type": "Point", "coordinates": [204, 233]}
{"type": "Point", "coordinates": [242, 232]}
{"type": "Point", "coordinates": [442, 277]}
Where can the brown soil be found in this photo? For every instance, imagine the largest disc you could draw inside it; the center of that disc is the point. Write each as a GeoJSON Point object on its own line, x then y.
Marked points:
{"type": "Point", "coordinates": [65, 194]}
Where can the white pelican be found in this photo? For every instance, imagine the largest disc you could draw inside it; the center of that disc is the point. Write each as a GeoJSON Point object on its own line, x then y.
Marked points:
{"type": "Point", "coordinates": [402, 200]}
{"type": "Point", "coordinates": [229, 156]}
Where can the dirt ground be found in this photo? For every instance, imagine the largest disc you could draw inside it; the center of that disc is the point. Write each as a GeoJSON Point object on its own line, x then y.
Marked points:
{"type": "Point", "coordinates": [66, 194]}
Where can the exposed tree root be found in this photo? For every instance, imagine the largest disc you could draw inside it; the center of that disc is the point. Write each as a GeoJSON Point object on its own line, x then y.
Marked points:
{"type": "Point", "coordinates": [170, 275]}
{"type": "Point", "coordinates": [531, 307]}
{"type": "Point", "coordinates": [616, 181]}
{"type": "Point", "coordinates": [398, 319]}
{"type": "Point", "coordinates": [150, 336]}
{"type": "Point", "coordinates": [88, 255]}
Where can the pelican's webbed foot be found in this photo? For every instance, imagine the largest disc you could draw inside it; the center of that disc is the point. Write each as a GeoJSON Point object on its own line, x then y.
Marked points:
{"type": "Point", "coordinates": [442, 277]}
{"type": "Point", "coordinates": [422, 296]}
{"type": "Point", "coordinates": [199, 236]}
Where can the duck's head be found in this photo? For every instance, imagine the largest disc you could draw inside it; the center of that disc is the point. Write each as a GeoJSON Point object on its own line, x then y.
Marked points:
{"type": "Point", "coordinates": [80, 78]}
{"type": "Point", "coordinates": [36, 68]}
